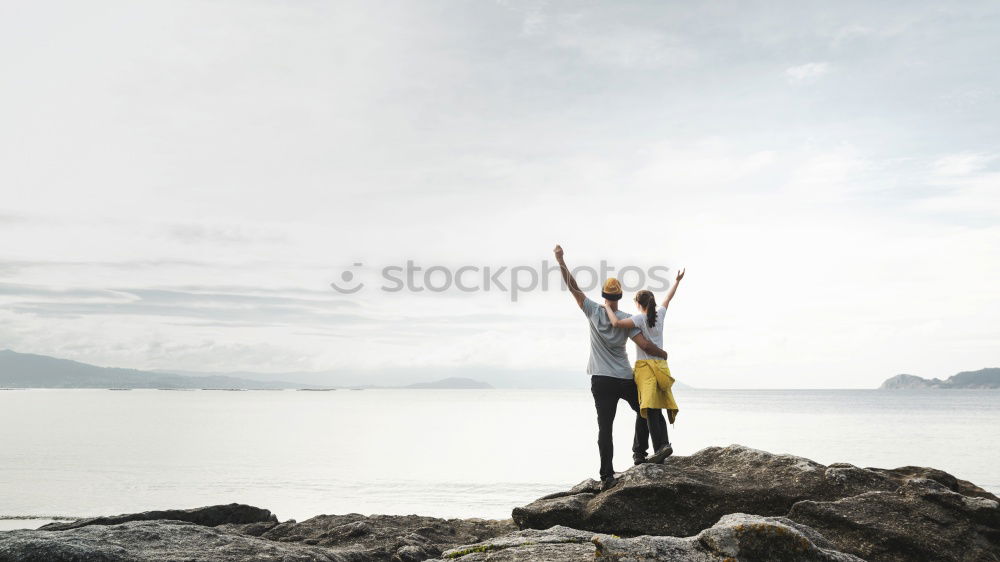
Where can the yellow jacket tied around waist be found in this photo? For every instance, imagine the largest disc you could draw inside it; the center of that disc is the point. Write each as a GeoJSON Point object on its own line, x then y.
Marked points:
{"type": "Point", "coordinates": [653, 380]}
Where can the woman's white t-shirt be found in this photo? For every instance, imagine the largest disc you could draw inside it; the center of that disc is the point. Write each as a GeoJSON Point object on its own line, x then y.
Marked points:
{"type": "Point", "coordinates": [654, 334]}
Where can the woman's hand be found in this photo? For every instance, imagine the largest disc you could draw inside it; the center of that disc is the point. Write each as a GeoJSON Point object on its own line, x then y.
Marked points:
{"type": "Point", "coordinates": [680, 274]}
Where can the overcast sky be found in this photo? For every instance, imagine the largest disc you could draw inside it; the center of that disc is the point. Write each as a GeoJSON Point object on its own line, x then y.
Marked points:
{"type": "Point", "coordinates": [182, 180]}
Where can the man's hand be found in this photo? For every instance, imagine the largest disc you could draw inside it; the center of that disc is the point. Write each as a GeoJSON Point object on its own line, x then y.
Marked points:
{"type": "Point", "coordinates": [559, 253]}
{"type": "Point", "coordinates": [680, 274]}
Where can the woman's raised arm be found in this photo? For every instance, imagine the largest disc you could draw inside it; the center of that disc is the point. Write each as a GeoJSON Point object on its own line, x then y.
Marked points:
{"type": "Point", "coordinates": [673, 288]}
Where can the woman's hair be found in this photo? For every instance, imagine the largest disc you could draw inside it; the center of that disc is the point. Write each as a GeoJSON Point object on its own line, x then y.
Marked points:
{"type": "Point", "coordinates": [647, 301]}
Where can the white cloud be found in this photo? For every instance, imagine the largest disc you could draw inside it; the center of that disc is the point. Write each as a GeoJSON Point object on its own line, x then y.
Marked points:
{"type": "Point", "coordinates": [606, 37]}
{"type": "Point", "coordinates": [807, 73]}
{"type": "Point", "coordinates": [961, 164]}
{"type": "Point", "coordinates": [623, 46]}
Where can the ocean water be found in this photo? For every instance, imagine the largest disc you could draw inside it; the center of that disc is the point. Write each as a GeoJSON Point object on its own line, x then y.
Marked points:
{"type": "Point", "coordinates": [447, 453]}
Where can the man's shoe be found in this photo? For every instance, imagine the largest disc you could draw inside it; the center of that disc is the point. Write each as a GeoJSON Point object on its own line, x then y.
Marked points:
{"type": "Point", "coordinates": [608, 483]}
{"type": "Point", "coordinates": [637, 460]}
{"type": "Point", "coordinates": [662, 454]}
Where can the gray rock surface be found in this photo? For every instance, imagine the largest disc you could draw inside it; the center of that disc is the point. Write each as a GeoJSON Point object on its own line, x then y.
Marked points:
{"type": "Point", "coordinates": [240, 532]}
{"type": "Point", "coordinates": [153, 541]}
{"type": "Point", "coordinates": [558, 544]}
{"type": "Point", "coordinates": [211, 516]}
{"type": "Point", "coordinates": [687, 494]}
{"type": "Point", "coordinates": [388, 537]}
{"type": "Point", "coordinates": [908, 513]}
{"type": "Point", "coordinates": [922, 520]}
{"type": "Point", "coordinates": [906, 473]}
{"type": "Point", "coordinates": [735, 537]}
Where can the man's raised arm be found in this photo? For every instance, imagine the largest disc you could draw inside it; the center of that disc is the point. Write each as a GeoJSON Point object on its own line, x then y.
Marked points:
{"type": "Point", "coordinates": [574, 289]}
{"type": "Point", "coordinates": [649, 347]}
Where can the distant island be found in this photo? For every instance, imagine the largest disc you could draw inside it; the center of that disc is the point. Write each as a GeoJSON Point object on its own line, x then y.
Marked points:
{"type": "Point", "coordinates": [981, 379]}
{"type": "Point", "coordinates": [27, 370]}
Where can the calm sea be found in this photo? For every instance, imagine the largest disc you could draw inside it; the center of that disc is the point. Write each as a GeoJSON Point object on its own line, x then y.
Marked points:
{"type": "Point", "coordinates": [451, 453]}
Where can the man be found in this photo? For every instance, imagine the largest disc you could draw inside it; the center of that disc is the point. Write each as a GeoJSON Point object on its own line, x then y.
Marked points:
{"type": "Point", "coordinates": [611, 373]}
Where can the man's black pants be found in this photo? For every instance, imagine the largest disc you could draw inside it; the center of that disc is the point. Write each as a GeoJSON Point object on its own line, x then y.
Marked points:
{"type": "Point", "coordinates": [607, 392]}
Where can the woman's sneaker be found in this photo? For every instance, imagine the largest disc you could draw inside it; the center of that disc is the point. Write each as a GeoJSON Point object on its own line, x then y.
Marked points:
{"type": "Point", "coordinates": [662, 454]}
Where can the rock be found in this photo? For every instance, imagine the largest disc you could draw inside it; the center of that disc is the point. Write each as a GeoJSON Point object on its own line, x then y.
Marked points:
{"type": "Point", "coordinates": [251, 529]}
{"type": "Point", "coordinates": [210, 516]}
{"type": "Point", "coordinates": [388, 537]}
{"type": "Point", "coordinates": [908, 513]}
{"type": "Point", "coordinates": [963, 487]}
{"type": "Point", "coordinates": [735, 537]}
{"type": "Point", "coordinates": [557, 544]}
{"type": "Point", "coordinates": [922, 520]}
{"type": "Point", "coordinates": [687, 494]}
{"type": "Point", "coordinates": [410, 553]}
{"type": "Point", "coordinates": [230, 532]}
{"type": "Point", "coordinates": [154, 541]}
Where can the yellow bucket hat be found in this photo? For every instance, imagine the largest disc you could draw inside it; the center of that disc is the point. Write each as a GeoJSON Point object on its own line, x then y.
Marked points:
{"type": "Point", "coordinates": [612, 289]}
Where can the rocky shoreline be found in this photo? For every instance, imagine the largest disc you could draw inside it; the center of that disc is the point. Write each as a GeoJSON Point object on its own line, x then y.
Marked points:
{"type": "Point", "coordinates": [719, 504]}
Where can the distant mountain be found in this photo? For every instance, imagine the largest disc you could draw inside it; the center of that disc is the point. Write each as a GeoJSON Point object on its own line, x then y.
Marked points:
{"type": "Point", "coordinates": [451, 382]}
{"type": "Point", "coordinates": [983, 378]}
{"type": "Point", "coordinates": [25, 370]}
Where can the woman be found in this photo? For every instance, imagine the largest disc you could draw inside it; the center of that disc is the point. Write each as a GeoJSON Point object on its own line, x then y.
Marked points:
{"type": "Point", "coordinates": [652, 375]}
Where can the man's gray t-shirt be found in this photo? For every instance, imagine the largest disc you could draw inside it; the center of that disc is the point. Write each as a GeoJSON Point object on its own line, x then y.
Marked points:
{"type": "Point", "coordinates": [607, 344]}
